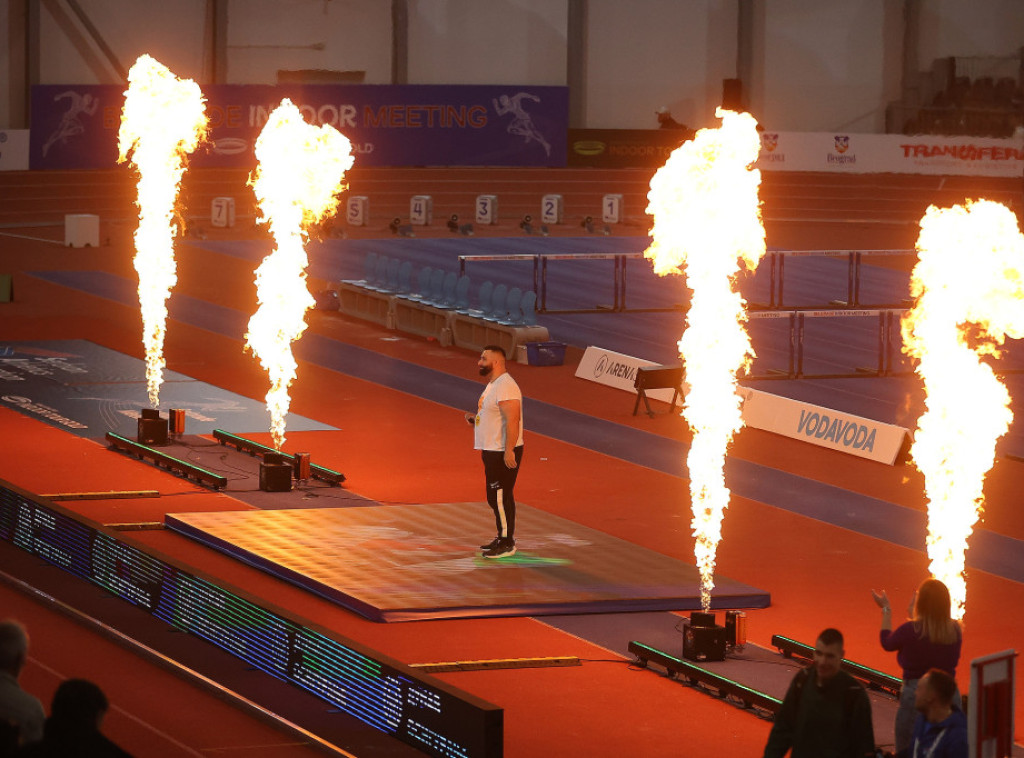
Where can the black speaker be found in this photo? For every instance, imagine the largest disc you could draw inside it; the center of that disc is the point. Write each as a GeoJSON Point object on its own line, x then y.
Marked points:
{"type": "Point", "coordinates": [275, 477]}
{"type": "Point", "coordinates": [704, 643]}
{"type": "Point", "coordinates": [702, 618]}
{"type": "Point", "coordinates": [152, 429]}
{"type": "Point", "coordinates": [732, 94]}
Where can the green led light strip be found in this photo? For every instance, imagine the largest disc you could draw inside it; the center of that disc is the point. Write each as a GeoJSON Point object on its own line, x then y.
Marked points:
{"type": "Point", "coordinates": [880, 679]}
{"type": "Point", "coordinates": [248, 446]}
{"type": "Point", "coordinates": [188, 469]}
{"type": "Point", "coordinates": [725, 686]}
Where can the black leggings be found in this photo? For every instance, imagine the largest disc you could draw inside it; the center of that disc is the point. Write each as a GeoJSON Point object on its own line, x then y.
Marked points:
{"type": "Point", "coordinates": [501, 480]}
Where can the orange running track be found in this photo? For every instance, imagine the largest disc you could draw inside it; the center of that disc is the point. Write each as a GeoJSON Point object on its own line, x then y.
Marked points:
{"type": "Point", "coordinates": [398, 448]}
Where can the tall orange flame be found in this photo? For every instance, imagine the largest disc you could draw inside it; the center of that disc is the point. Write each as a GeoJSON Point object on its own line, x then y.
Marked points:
{"type": "Point", "coordinates": [707, 224]}
{"type": "Point", "coordinates": [297, 182]}
{"type": "Point", "coordinates": [164, 118]}
{"type": "Point", "coordinates": [968, 286]}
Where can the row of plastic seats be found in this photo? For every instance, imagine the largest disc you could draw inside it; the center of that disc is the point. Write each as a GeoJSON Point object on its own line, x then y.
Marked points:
{"type": "Point", "coordinates": [509, 306]}
{"type": "Point", "coordinates": [385, 274]}
{"type": "Point", "coordinates": [445, 289]}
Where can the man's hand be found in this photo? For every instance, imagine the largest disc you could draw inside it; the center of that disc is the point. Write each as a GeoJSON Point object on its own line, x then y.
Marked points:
{"type": "Point", "coordinates": [471, 419]}
{"type": "Point", "coordinates": [510, 458]}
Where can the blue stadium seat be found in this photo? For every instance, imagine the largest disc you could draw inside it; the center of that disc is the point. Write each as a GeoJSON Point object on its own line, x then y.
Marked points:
{"type": "Point", "coordinates": [483, 299]}
{"type": "Point", "coordinates": [405, 278]}
{"type": "Point", "coordinates": [391, 275]}
{"type": "Point", "coordinates": [462, 294]}
{"type": "Point", "coordinates": [369, 267]}
{"type": "Point", "coordinates": [423, 283]}
{"type": "Point", "coordinates": [527, 307]}
{"type": "Point", "coordinates": [448, 290]}
{"type": "Point", "coordinates": [380, 274]}
{"type": "Point", "coordinates": [512, 312]}
{"type": "Point", "coordinates": [436, 292]}
{"type": "Point", "coordinates": [499, 297]}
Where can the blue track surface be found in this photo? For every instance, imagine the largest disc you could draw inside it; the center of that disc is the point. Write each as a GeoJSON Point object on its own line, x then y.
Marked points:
{"type": "Point", "coordinates": [994, 553]}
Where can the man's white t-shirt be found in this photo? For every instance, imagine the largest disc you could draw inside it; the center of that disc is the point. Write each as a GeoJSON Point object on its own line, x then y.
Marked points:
{"type": "Point", "coordinates": [489, 430]}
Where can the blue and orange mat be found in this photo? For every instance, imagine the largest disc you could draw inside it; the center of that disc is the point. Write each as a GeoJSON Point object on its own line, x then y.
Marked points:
{"type": "Point", "coordinates": [415, 562]}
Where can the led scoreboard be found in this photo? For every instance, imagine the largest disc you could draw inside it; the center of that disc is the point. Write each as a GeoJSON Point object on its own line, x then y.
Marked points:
{"type": "Point", "coordinates": [416, 708]}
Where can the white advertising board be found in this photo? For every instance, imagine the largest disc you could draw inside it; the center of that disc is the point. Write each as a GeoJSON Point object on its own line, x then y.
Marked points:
{"type": "Point", "coordinates": [890, 153]}
{"type": "Point", "coordinates": [616, 370]}
{"type": "Point", "coordinates": [13, 149]}
{"type": "Point", "coordinates": [821, 426]}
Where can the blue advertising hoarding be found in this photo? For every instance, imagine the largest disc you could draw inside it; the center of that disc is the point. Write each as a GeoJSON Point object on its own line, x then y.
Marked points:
{"type": "Point", "coordinates": [75, 126]}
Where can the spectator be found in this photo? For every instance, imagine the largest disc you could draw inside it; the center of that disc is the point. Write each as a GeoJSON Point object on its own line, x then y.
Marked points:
{"type": "Point", "coordinates": [17, 707]}
{"type": "Point", "coordinates": [940, 730]}
{"type": "Point", "coordinates": [73, 728]}
{"type": "Point", "coordinates": [931, 639]}
{"type": "Point", "coordinates": [826, 712]}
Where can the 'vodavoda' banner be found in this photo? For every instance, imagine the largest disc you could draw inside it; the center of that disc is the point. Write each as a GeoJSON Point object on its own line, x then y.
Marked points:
{"type": "Point", "coordinates": [825, 427]}
{"type": "Point", "coordinates": [75, 126]}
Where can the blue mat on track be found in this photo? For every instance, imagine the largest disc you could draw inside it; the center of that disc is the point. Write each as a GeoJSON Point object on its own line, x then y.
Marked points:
{"type": "Point", "coordinates": [89, 390]}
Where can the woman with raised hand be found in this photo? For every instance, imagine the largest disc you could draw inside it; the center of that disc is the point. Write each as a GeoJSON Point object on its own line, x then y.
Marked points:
{"type": "Point", "coordinates": [930, 639]}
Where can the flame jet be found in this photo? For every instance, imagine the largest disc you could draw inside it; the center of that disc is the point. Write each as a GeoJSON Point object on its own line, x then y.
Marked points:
{"type": "Point", "coordinates": [163, 120]}
{"type": "Point", "coordinates": [707, 223]}
{"type": "Point", "coordinates": [968, 287]}
{"type": "Point", "coordinates": [297, 181]}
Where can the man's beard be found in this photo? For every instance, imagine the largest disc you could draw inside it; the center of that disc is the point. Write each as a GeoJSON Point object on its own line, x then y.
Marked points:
{"type": "Point", "coordinates": [486, 370]}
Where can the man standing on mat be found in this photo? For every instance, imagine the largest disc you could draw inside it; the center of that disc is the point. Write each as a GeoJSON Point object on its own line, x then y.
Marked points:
{"type": "Point", "coordinates": [498, 435]}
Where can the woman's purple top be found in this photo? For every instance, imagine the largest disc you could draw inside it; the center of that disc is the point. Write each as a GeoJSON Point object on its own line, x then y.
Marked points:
{"type": "Point", "coordinates": [916, 654]}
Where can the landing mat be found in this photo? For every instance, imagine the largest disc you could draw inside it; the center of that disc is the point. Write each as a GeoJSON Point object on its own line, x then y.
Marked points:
{"type": "Point", "coordinates": [413, 562]}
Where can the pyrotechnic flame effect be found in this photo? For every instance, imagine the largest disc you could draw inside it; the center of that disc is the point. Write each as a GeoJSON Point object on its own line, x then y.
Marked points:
{"type": "Point", "coordinates": [297, 182]}
{"type": "Point", "coordinates": [968, 286]}
{"type": "Point", "coordinates": [707, 223]}
{"type": "Point", "coordinates": [163, 120]}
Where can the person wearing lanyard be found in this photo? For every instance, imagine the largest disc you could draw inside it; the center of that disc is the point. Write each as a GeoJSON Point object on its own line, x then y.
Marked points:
{"type": "Point", "coordinates": [940, 730]}
{"type": "Point", "coordinates": [498, 435]}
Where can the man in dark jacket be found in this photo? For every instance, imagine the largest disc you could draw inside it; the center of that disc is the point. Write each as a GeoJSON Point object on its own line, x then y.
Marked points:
{"type": "Point", "coordinates": [826, 712]}
{"type": "Point", "coordinates": [940, 730]}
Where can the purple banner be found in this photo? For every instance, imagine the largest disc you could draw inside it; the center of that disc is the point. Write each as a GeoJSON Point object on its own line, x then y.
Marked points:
{"type": "Point", "coordinates": [75, 126]}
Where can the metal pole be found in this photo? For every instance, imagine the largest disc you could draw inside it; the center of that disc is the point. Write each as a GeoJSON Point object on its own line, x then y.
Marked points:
{"type": "Point", "coordinates": [622, 301]}
{"type": "Point", "coordinates": [536, 274]}
{"type": "Point", "coordinates": [399, 41]}
{"type": "Point", "coordinates": [782, 275]}
{"type": "Point", "coordinates": [543, 285]}
{"type": "Point", "coordinates": [800, 346]}
{"type": "Point", "coordinates": [856, 280]}
{"type": "Point", "coordinates": [850, 275]}
{"type": "Point", "coordinates": [97, 39]}
{"type": "Point", "coordinates": [792, 344]}
{"type": "Point", "coordinates": [615, 283]}
{"type": "Point", "coordinates": [576, 62]}
{"type": "Point", "coordinates": [882, 332]}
